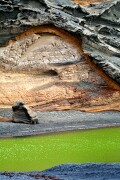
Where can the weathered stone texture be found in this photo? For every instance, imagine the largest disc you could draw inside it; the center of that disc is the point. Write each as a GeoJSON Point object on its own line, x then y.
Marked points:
{"type": "Point", "coordinates": [97, 24]}
{"type": "Point", "coordinates": [70, 171]}
{"type": "Point", "coordinates": [47, 67]}
{"type": "Point", "coordinates": [48, 72]}
{"type": "Point", "coordinates": [23, 114]}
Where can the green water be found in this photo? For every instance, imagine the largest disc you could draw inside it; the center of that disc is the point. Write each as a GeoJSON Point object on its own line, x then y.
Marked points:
{"type": "Point", "coordinates": [41, 152]}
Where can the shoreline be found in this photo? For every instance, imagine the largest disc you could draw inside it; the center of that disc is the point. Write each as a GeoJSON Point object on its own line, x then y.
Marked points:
{"type": "Point", "coordinates": [70, 171]}
{"type": "Point", "coordinates": [59, 132]}
{"type": "Point", "coordinates": [59, 122]}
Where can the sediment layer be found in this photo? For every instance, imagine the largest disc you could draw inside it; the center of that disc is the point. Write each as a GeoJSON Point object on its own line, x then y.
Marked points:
{"type": "Point", "coordinates": [96, 24]}
{"type": "Point", "coordinates": [72, 64]}
{"type": "Point", "coordinates": [47, 68]}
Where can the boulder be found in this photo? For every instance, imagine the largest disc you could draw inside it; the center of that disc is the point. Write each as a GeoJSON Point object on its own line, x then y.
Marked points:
{"type": "Point", "coordinates": [23, 114]}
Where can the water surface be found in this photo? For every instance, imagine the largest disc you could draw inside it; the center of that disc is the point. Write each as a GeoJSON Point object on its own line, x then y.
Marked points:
{"type": "Point", "coordinates": [42, 152]}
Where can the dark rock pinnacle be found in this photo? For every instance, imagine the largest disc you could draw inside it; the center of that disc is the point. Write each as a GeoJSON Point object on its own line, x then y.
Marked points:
{"type": "Point", "coordinates": [23, 114]}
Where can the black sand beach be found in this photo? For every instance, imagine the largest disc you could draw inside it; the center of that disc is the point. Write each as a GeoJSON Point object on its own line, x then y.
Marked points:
{"type": "Point", "coordinates": [59, 121]}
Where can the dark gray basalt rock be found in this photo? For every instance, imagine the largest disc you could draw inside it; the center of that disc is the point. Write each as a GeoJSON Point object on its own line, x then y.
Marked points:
{"type": "Point", "coordinates": [98, 25]}
{"type": "Point", "coordinates": [23, 114]}
{"type": "Point", "coordinates": [89, 171]}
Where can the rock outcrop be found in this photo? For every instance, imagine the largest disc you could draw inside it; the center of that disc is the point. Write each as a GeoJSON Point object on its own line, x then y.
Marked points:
{"type": "Point", "coordinates": [23, 114]}
{"type": "Point", "coordinates": [60, 55]}
{"type": "Point", "coordinates": [97, 24]}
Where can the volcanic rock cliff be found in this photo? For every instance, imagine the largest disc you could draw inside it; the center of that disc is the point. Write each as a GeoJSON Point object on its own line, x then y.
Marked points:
{"type": "Point", "coordinates": [60, 55]}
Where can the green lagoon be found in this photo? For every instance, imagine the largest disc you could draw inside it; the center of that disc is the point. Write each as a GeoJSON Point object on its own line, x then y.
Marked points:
{"type": "Point", "coordinates": [41, 152]}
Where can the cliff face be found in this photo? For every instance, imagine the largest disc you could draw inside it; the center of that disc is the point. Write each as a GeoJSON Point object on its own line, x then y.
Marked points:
{"type": "Point", "coordinates": [48, 67]}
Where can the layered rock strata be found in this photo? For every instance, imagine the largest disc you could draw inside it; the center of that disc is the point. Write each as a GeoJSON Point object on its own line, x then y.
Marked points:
{"type": "Point", "coordinates": [98, 26]}
{"type": "Point", "coordinates": [51, 72]}
{"type": "Point", "coordinates": [47, 67]}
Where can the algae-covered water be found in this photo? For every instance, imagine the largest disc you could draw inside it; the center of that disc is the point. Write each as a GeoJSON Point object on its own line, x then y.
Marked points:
{"type": "Point", "coordinates": [42, 152]}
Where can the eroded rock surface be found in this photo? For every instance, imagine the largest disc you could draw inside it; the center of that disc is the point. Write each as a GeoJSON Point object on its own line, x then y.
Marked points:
{"type": "Point", "coordinates": [50, 72]}
{"type": "Point", "coordinates": [47, 67]}
{"type": "Point", "coordinates": [98, 26]}
{"type": "Point", "coordinates": [23, 114]}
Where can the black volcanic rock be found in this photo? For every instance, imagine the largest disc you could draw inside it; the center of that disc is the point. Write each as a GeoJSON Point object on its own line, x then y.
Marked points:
{"type": "Point", "coordinates": [23, 114]}
{"type": "Point", "coordinates": [98, 25]}
{"type": "Point", "coordinates": [89, 171]}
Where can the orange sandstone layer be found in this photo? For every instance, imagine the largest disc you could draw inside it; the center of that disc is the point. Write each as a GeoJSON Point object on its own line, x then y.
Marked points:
{"type": "Point", "coordinates": [87, 2]}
